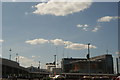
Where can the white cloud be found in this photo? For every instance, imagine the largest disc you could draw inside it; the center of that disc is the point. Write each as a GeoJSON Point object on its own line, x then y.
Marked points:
{"type": "Point", "coordinates": [57, 42]}
{"type": "Point", "coordinates": [67, 44]}
{"type": "Point", "coordinates": [63, 8]}
{"type": "Point", "coordinates": [77, 46]}
{"type": "Point", "coordinates": [96, 28]}
{"type": "Point", "coordinates": [83, 27]}
{"type": "Point", "coordinates": [1, 40]}
{"type": "Point", "coordinates": [79, 25]}
{"type": "Point", "coordinates": [107, 18]}
{"type": "Point", "coordinates": [26, 62]}
{"type": "Point", "coordinates": [37, 41]}
{"type": "Point", "coordinates": [86, 27]}
{"type": "Point", "coordinates": [70, 45]}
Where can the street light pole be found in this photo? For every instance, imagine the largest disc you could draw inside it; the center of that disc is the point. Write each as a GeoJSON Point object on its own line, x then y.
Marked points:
{"type": "Point", "coordinates": [39, 64]}
{"type": "Point", "coordinates": [55, 60]}
{"type": "Point", "coordinates": [39, 70]}
{"type": "Point", "coordinates": [89, 58]}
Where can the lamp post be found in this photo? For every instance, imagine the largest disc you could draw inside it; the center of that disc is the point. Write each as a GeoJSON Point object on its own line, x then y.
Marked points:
{"type": "Point", "coordinates": [88, 57]}
{"type": "Point", "coordinates": [39, 64]}
{"type": "Point", "coordinates": [55, 60]}
{"type": "Point", "coordinates": [39, 70]}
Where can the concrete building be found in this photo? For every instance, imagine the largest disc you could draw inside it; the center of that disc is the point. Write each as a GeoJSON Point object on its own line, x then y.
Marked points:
{"type": "Point", "coordinates": [57, 70]}
{"type": "Point", "coordinates": [50, 66]}
{"type": "Point", "coordinates": [99, 64]}
{"type": "Point", "coordinates": [35, 72]}
{"type": "Point", "coordinates": [107, 61]}
{"type": "Point", "coordinates": [53, 69]}
{"type": "Point", "coordinates": [12, 69]}
{"type": "Point", "coordinates": [66, 61]}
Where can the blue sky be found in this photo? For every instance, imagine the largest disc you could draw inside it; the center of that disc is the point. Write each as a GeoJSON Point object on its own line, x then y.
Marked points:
{"type": "Point", "coordinates": [95, 23]}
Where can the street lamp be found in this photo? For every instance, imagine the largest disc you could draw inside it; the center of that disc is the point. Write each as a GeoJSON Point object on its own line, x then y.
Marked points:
{"type": "Point", "coordinates": [55, 60]}
{"type": "Point", "coordinates": [88, 57]}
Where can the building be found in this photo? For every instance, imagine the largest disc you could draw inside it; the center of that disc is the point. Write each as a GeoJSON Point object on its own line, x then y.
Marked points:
{"type": "Point", "coordinates": [99, 64]}
{"type": "Point", "coordinates": [107, 61]}
{"type": "Point", "coordinates": [35, 72]}
{"type": "Point", "coordinates": [12, 69]}
{"type": "Point", "coordinates": [66, 61]}
{"type": "Point", "coordinates": [57, 70]}
{"type": "Point", "coordinates": [53, 69]}
{"type": "Point", "coordinates": [50, 66]}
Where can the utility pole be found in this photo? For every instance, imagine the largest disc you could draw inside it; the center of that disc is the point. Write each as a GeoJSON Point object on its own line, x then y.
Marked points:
{"type": "Point", "coordinates": [39, 64]}
{"type": "Point", "coordinates": [117, 65]}
{"type": "Point", "coordinates": [10, 54]}
{"type": "Point", "coordinates": [39, 70]}
{"type": "Point", "coordinates": [55, 60]}
{"type": "Point", "coordinates": [88, 56]}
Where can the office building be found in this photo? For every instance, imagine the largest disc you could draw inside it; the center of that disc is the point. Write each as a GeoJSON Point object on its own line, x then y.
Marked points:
{"type": "Point", "coordinates": [99, 64]}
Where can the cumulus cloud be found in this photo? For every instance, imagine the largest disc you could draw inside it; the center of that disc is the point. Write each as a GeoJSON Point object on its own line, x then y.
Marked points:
{"type": "Point", "coordinates": [96, 28]}
{"type": "Point", "coordinates": [1, 41]}
{"type": "Point", "coordinates": [67, 44]}
{"type": "Point", "coordinates": [26, 62]}
{"type": "Point", "coordinates": [70, 45]}
{"type": "Point", "coordinates": [83, 27]}
{"type": "Point", "coordinates": [62, 8]}
{"type": "Point", "coordinates": [60, 42]}
{"type": "Point", "coordinates": [77, 46]}
{"type": "Point", "coordinates": [37, 41]}
{"type": "Point", "coordinates": [57, 42]}
{"type": "Point", "coordinates": [107, 18]}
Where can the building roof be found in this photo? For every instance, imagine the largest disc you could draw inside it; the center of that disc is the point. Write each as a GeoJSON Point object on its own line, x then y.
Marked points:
{"type": "Point", "coordinates": [102, 56]}
{"type": "Point", "coordinates": [74, 59]}
{"type": "Point", "coordinates": [10, 63]}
